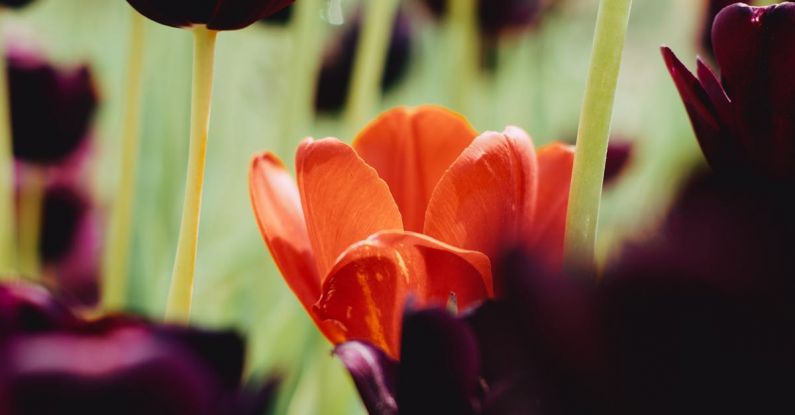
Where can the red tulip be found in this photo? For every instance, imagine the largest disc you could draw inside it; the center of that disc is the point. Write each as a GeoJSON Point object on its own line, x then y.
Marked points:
{"type": "Point", "coordinates": [417, 207]}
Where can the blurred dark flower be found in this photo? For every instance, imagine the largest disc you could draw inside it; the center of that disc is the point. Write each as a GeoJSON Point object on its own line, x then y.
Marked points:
{"type": "Point", "coordinates": [14, 3]}
{"type": "Point", "coordinates": [27, 308]}
{"type": "Point", "coordinates": [282, 17]}
{"type": "Point", "coordinates": [746, 122]}
{"type": "Point", "coordinates": [69, 247]}
{"type": "Point", "coordinates": [497, 16]}
{"type": "Point", "coordinates": [336, 71]}
{"type": "Point", "coordinates": [216, 15]}
{"type": "Point", "coordinates": [619, 155]}
{"type": "Point", "coordinates": [51, 109]}
{"type": "Point", "coordinates": [120, 365]}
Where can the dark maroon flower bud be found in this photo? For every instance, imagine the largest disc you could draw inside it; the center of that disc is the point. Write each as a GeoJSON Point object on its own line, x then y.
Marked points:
{"type": "Point", "coordinates": [746, 122]}
{"type": "Point", "coordinates": [336, 72]}
{"type": "Point", "coordinates": [14, 3]}
{"type": "Point", "coordinates": [124, 365]}
{"type": "Point", "coordinates": [215, 14]}
{"type": "Point", "coordinates": [619, 154]}
{"type": "Point", "coordinates": [51, 109]}
{"type": "Point", "coordinates": [27, 308]}
{"type": "Point", "coordinates": [713, 7]}
{"type": "Point", "coordinates": [497, 16]}
{"type": "Point", "coordinates": [282, 17]}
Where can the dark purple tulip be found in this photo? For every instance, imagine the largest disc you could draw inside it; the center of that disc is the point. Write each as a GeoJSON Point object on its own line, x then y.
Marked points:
{"type": "Point", "coordinates": [27, 308]}
{"type": "Point", "coordinates": [619, 156]}
{"type": "Point", "coordinates": [335, 74]}
{"type": "Point", "coordinates": [746, 122]}
{"type": "Point", "coordinates": [282, 17]}
{"type": "Point", "coordinates": [215, 14]}
{"type": "Point", "coordinates": [70, 244]}
{"type": "Point", "coordinates": [125, 365]}
{"type": "Point", "coordinates": [14, 3]}
{"type": "Point", "coordinates": [713, 7]}
{"type": "Point", "coordinates": [497, 16]}
{"type": "Point", "coordinates": [51, 109]}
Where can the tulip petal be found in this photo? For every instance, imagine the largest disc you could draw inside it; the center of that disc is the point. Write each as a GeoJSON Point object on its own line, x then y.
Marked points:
{"type": "Point", "coordinates": [231, 15]}
{"type": "Point", "coordinates": [411, 149]}
{"type": "Point", "coordinates": [485, 200]}
{"type": "Point", "coordinates": [703, 116]}
{"type": "Point", "coordinates": [277, 208]}
{"type": "Point", "coordinates": [753, 46]}
{"type": "Point", "coordinates": [374, 374]}
{"type": "Point", "coordinates": [367, 289]}
{"type": "Point", "coordinates": [343, 198]}
{"type": "Point", "coordinates": [555, 162]}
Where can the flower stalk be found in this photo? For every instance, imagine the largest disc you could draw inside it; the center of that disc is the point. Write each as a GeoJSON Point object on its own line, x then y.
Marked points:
{"type": "Point", "coordinates": [8, 247]}
{"type": "Point", "coordinates": [363, 96]}
{"type": "Point", "coordinates": [116, 258]}
{"type": "Point", "coordinates": [462, 27]}
{"type": "Point", "coordinates": [594, 129]}
{"type": "Point", "coordinates": [181, 291]}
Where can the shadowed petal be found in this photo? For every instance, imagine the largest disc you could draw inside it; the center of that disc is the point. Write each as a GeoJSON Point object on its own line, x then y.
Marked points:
{"type": "Point", "coordinates": [368, 287]}
{"type": "Point", "coordinates": [486, 198]}
{"type": "Point", "coordinates": [440, 365]}
{"type": "Point", "coordinates": [277, 208]}
{"type": "Point", "coordinates": [237, 14]}
{"type": "Point", "coordinates": [343, 198]}
{"type": "Point", "coordinates": [555, 162]}
{"type": "Point", "coordinates": [374, 374]}
{"type": "Point", "coordinates": [411, 149]}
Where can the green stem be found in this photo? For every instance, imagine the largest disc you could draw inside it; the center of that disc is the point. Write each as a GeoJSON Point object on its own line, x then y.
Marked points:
{"type": "Point", "coordinates": [116, 259]}
{"type": "Point", "coordinates": [306, 32]}
{"type": "Point", "coordinates": [464, 47]}
{"type": "Point", "coordinates": [8, 248]}
{"type": "Point", "coordinates": [594, 130]}
{"type": "Point", "coordinates": [31, 203]}
{"type": "Point", "coordinates": [371, 52]}
{"type": "Point", "coordinates": [181, 291]}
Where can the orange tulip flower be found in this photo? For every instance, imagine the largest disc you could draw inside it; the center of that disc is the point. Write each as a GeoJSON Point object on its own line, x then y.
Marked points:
{"type": "Point", "coordinates": [416, 208]}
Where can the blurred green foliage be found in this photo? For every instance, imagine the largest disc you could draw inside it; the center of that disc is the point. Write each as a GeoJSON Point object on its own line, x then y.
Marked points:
{"type": "Point", "coordinates": [537, 85]}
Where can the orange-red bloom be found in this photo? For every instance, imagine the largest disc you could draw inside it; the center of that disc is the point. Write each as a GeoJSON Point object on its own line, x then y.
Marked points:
{"type": "Point", "coordinates": [415, 208]}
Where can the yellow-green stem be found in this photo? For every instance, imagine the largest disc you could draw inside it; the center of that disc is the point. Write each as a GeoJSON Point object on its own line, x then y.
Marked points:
{"type": "Point", "coordinates": [181, 291]}
{"type": "Point", "coordinates": [371, 52]}
{"type": "Point", "coordinates": [594, 130]}
{"type": "Point", "coordinates": [306, 33]}
{"type": "Point", "coordinates": [31, 203]}
{"type": "Point", "coordinates": [464, 49]}
{"type": "Point", "coordinates": [117, 249]}
{"type": "Point", "coordinates": [8, 247]}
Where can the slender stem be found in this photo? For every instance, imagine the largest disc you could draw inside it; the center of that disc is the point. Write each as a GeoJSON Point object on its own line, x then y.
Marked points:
{"type": "Point", "coordinates": [31, 203]}
{"type": "Point", "coordinates": [304, 65]}
{"type": "Point", "coordinates": [594, 130]}
{"type": "Point", "coordinates": [464, 47]}
{"type": "Point", "coordinates": [181, 291]}
{"type": "Point", "coordinates": [371, 52]}
{"type": "Point", "coordinates": [8, 248]}
{"type": "Point", "coordinates": [117, 249]}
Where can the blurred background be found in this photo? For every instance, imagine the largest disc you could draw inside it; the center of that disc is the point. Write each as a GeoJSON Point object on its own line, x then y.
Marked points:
{"type": "Point", "coordinates": [530, 74]}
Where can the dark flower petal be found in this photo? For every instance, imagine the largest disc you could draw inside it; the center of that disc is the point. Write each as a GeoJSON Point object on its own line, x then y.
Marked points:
{"type": "Point", "coordinates": [336, 71]}
{"type": "Point", "coordinates": [120, 365]}
{"type": "Point", "coordinates": [619, 153]}
{"type": "Point", "coordinates": [753, 48]}
{"type": "Point", "coordinates": [215, 14]}
{"type": "Point", "coordinates": [50, 109]}
{"type": "Point", "coordinates": [14, 3]}
{"type": "Point", "coordinates": [27, 308]}
{"type": "Point", "coordinates": [258, 400]}
{"type": "Point", "coordinates": [282, 17]}
{"type": "Point", "coordinates": [497, 16]}
{"type": "Point", "coordinates": [713, 8]}
{"type": "Point", "coordinates": [374, 373]}
{"type": "Point", "coordinates": [439, 365]}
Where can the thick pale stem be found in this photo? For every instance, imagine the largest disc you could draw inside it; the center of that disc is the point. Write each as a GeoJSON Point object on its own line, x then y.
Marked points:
{"type": "Point", "coordinates": [594, 130]}
{"type": "Point", "coordinates": [371, 52]}
{"type": "Point", "coordinates": [181, 291]}
{"type": "Point", "coordinates": [31, 203]}
{"type": "Point", "coordinates": [464, 49]}
{"type": "Point", "coordinates": [117, 249]}
{"type": "Point", "coordinates": [8, 248]}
